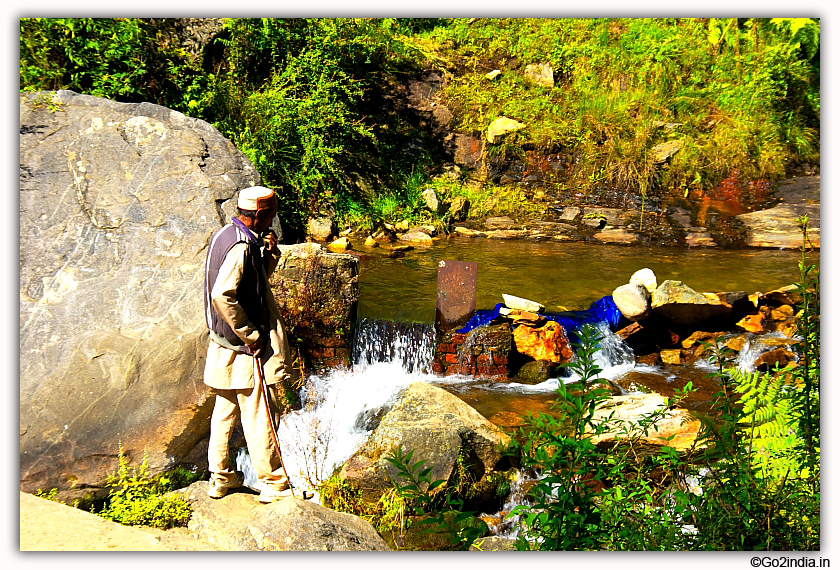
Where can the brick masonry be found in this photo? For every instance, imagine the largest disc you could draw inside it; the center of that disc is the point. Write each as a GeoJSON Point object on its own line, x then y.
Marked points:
{"type": "Point", "coordinates": [483, 353]}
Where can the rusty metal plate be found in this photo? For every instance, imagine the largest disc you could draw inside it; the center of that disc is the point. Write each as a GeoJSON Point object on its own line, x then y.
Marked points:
{"type": "Point", "coordinates": [456, 292]}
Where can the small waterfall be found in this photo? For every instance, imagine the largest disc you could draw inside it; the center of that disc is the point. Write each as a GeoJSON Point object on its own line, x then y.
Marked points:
{"type": "Point", "coordinates": [615, 358]}
{"type": "Point", "coordinates": [341, 408]}
{"type": "Point", "coordinates": [410, 345]}
{"type": "Point", "coordinates": [756, 346]}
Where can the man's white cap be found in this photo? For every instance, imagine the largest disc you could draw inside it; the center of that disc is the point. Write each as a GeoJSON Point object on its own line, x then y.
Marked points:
{"type": "Point", "coordinates": [254, 198]}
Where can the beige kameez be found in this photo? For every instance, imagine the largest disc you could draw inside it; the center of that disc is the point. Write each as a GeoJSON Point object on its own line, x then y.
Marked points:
{"type": "Point", "coordinates": [234, 376]}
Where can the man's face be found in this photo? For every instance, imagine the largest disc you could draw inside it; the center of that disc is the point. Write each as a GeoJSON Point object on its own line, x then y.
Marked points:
{"type": "Point", "coordinates": [264, 219]}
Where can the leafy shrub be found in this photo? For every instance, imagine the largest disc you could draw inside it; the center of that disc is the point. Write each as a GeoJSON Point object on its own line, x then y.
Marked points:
{"type": "Point", "coordinates": [136, 499]}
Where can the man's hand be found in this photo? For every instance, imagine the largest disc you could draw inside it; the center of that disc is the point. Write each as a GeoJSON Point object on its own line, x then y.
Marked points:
{"type": "Point", "coordinates": [271, 242]}
{"type": "Point", "coordinates": [256, 348]}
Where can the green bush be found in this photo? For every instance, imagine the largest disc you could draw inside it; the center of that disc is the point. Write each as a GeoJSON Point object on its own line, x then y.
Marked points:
{"type": "Point", "coordinates": [137, 499]}
{"type": "Point", "coordinates": [757, 460]}
{"type": "Point", "coordinates": [311, 101]}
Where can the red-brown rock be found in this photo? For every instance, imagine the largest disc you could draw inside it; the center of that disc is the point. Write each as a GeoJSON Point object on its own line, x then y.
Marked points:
{"type": "Point", "coordinates": [548, 342]}
{"type": "Point", "coordinates": [752, 323]}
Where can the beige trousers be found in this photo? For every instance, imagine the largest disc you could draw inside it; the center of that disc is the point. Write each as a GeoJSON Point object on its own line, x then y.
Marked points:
{"type": "Point", "coordinates": [249, 405]}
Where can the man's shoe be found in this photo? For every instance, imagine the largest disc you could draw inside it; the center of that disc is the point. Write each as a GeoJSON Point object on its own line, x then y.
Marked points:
{"type": "Point", "coordinates": [219, 489]}
{"type": "Point", "coordinates": [271, 494]}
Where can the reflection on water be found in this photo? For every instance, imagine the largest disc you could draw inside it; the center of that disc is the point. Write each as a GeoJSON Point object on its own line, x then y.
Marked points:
{"type": "Point", "coordinates": [558, 275]}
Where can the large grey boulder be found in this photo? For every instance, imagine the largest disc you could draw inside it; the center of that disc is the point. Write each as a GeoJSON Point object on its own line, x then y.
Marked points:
{"type": "Point", "coordinates": [117, 204]}
{"type": "Point", "coordinates": [239, 522]}
{"type": "Point", "coordinates": [437, 427]}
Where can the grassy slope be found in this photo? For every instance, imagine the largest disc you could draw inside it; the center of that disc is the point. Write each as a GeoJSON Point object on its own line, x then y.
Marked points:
{"type": "Point", "coordinates": [624, 86]}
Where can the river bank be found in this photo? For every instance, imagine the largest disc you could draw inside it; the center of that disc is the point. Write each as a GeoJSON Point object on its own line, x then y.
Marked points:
{"type": "Point", "coordinates": [692, 222]}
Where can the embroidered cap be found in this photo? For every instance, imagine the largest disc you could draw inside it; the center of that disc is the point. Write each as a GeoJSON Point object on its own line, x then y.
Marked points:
{"type": "Point", "coordinates": [256, 198]}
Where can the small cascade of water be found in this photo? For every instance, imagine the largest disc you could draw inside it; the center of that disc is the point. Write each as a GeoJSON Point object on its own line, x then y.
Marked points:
{"type": "Point", "coordinates": [410, 345]}
{"type": "Point", "coordinates": [615, 358]}
{"type": "Point", "coordinates": [501, 523]}
{"type": "Point", "coordinates": [756, 346]}
{"type": "Point", "coordinates": [341, 408]}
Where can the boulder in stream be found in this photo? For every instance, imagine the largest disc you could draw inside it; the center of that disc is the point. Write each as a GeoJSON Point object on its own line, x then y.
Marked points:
{"type": "Point", "coordinates": [680, 306]}
{"type": "Point", "coordinates": [633, 407]}
{"type": "Point", "coordinates": [633, 300]}
{"type": "Point", "coordinates": [546, 342]}
{"type": "Point", "coordinates": [534, 372]}
{"type": "Point", "coordinates": [438, 427]}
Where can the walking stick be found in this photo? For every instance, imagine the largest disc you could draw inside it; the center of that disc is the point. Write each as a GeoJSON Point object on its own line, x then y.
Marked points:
{"type": "Point", "coordinates": [264, 388]}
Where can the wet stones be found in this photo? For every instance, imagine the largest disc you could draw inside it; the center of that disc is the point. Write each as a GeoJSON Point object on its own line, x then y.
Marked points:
{"type": "Point", "coordinates": [681, 306]}
{"type": "Point", "coordinates": [534, 372]}
{"type": "Point", "coordinates": [500, 223]}
{"type": "Point", "coordinates": [676, 429]}
{"type": "Point", "coordinates": [438, 427]}
{"type": "Point", "coordinates": [481, 352]}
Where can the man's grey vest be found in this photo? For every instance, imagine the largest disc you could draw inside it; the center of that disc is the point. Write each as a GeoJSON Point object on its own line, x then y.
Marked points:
{"type": "Point", "coordinates": [251, 293]}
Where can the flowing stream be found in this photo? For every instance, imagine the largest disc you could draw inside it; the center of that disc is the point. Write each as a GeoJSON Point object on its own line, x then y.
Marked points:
{"type": "Point", "coordinates": [394, 340]}
{"type": "Point", "coordinates": [340, 409]}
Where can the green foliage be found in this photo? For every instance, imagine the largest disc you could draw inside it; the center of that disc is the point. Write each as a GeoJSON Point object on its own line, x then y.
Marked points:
{"type": "Point", "coordinates": [125, 59]}
{"type": "Point", "coordinates": [567, 511]}
{"type": "Point", "coordinates": [756, 460]}
{"type": "Point", "coordinates": [136, 499]}
{"type": "Point", "coordinates": [762, 447]}
{"type": "Point", "coordinates": [438, 510]}
{"type": "Point", "coordinates": [297, 100]}
{"type": "Point", "coordinates": [748, 103]}
{"type": "Point", "coordinates": [311, 100]}
{"type": "Point", "coordinates": [51, 495]}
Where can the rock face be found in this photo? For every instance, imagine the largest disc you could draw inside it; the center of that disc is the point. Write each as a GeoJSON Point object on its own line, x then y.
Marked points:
{"type": "Point", "coordinates": [117, 205]}
{"type": "Point", "coordinates": [240, 522]}
{"type": "Point", "coordinates": [438, 427]}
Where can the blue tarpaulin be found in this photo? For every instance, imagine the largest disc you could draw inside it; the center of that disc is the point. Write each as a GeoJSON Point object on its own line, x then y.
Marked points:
{"type": "Point", "coordinates": [603, 310]}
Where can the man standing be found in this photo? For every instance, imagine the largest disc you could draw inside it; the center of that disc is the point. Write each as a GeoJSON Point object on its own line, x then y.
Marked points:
{"type": "Point", "coordinates": [246, 331]}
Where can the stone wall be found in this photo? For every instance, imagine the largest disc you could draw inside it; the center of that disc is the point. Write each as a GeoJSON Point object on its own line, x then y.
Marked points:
{"type": "Point", "coordinates": [485, 352]}
{"type": "Point", "coordinates": [317, 292]}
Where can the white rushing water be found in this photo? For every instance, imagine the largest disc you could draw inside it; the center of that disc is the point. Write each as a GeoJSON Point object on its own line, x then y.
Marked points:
{"type": "Point", "coordinates": [340, 409]}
